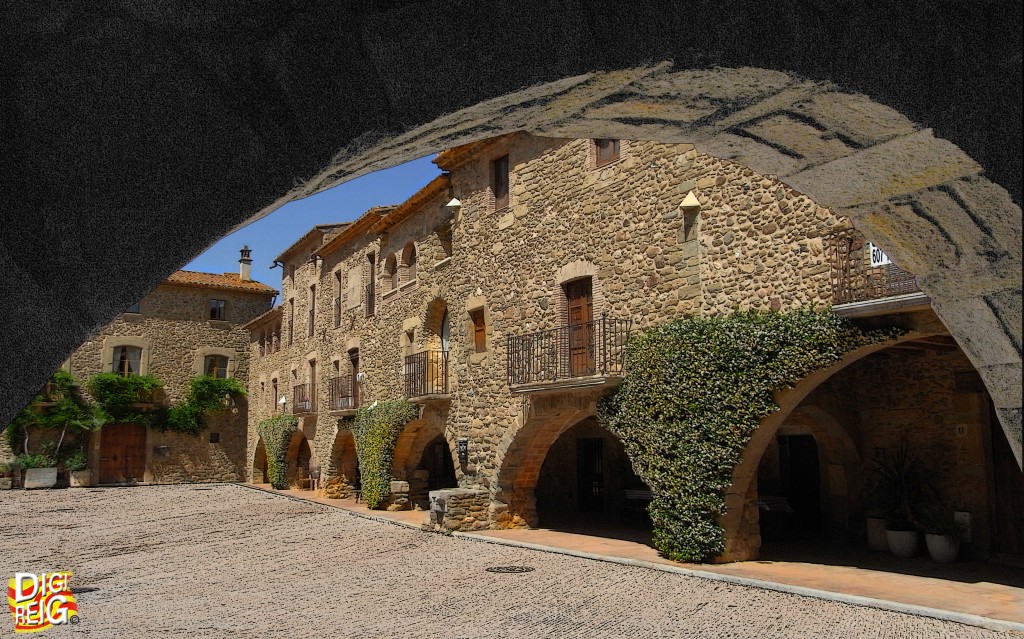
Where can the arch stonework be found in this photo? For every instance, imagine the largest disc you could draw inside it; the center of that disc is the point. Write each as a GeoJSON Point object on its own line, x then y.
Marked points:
{"type": "Point", "coordinates": [522, 450]}
{"type": "Point", "coordinates": [865, 130]}
{"type": "Point", "coordinates": [742, 537]}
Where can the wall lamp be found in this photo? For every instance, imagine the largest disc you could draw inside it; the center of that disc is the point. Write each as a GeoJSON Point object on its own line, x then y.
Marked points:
{"type": "Point", "coordinates": [462, 449]}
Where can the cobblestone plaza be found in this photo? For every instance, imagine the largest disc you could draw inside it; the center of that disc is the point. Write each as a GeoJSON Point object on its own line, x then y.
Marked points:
{"type": "Point", "coordinates": [230, 561]}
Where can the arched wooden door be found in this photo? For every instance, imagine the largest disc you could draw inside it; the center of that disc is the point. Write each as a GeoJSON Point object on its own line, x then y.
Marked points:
{"type": "Point", "coordinates": [122, 453]}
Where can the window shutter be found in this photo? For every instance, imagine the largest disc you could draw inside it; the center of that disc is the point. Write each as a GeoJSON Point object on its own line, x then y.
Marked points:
{"type": "Point", "coordinates": [354, 284]}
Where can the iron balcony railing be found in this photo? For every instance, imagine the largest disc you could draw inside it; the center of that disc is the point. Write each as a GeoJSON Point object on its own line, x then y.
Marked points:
{"type": "Point", "coordinates": [426, 373]}
{"type": "Point", "coordinates": [343, 395]}
{"type": "Point", "coordinates": [576, 350]}
{"type": "Point", "coordinates": [303, 396]}
{"type": "Point", "coordinates": [858, 276]}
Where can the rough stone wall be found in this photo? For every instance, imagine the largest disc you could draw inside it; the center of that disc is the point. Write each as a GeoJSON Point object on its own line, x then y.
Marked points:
{"type": "Point", "coordinates": [913, 397]}
{"type": "Point", "coordinates": [174, 329]}
{"type": "Point", "coordinates": [754, 243]}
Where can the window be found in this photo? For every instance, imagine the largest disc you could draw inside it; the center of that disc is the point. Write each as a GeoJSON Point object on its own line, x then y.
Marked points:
{"type": "Point", "coordinates": [499, 182]}
{"type": "Point", "coordinates": [391, 272]}
{"type": "Point", "coordinates": [479, 330]}
{"type": "Point", "coordinates": [291, 321]}
{"type": "Point", "coordinates": [607, 150]}
{"type": "Point", "coordinates": [353, 358]}
{"type": "Point", "coordinates": [337, 299]}
{"type": "Point", "coordinates": [312, 310]}
{"type": "Point", "coordinates": [218, 309]}
{"type": "Point", "coordinates": [216, 366]}
{"type": "Point", "coordinates": [134, 308]}
{"type": "Point", "coordinates": [444, 236]}
{"type": "Point", "coordinates": [127, 360]}
{"type": "Point", "coordinates": [371, 290]}
{"type": "Point", "coordinates": [409, 260]}
{"type": "Point", "coordinates": [273, 395]}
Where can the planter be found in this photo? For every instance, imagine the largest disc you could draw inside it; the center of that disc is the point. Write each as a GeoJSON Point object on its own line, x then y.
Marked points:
{"type": "Point", "coordinates": [6, 483]}
{"type": "Point", "coordinates": [81, 478]}
{"type": "Point", "coordinates": [942, 548]}
{"type": "Point", "coordinates": [876, 534]}
{"type": "Point", "coordinates": [902, 543]}
{"type": "Point", "coordinates": [40, 478]}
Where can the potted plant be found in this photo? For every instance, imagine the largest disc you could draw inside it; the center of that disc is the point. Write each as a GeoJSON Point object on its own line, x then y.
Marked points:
{"type": "Point", "coordinates": [40, 471]}
{"type": "Point", "coordinates": [6, 481]}
{"type": "Point", "coordinates": [902, 481]}
{"type": "Point", "coordinates": [80, 476]}
{"type": "Point", "coordinates": [942, 536]}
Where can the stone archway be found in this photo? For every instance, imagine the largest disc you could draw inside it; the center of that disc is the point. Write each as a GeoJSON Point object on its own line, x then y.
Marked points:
{"type": "Point", "coordinates": [260, 466]}
{"type": "Point", "coordinates": [522, 451]}
{"type": "Point", "coordinates": [300, 455]}
{"type": "Point", "coordinates": [343, 461]}
{"type": "Point", "coordinates": [923, 179]}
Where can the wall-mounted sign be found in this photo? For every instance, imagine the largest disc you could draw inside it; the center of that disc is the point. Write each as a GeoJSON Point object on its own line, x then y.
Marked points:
{"type": "Point", "coordinates": [878, 258]}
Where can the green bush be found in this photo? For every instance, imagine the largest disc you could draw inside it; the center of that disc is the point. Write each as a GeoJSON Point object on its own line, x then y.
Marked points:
{"type": "Point", "coordinates": [77, 461]}
{"type": "Point", "coordinates": [376, 430]}
{"type": "Point", "coordinates": [694, 392]}
{"type": "Point", "coordinates": [277, 433]}
{"type": "Point", "coordinates": [36, 461]}
{"type": "Point", "coordinates": [205, 395]}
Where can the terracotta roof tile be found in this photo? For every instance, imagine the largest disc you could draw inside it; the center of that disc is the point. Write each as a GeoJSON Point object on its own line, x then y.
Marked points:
{"type": "Point", "coordinates": [230, 281]}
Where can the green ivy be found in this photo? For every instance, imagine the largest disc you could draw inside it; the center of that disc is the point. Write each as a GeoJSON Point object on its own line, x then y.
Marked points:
{"type": "Point", "coordinates": [695, 391]}
{"type": "Point", "coordinates": [277, 433]}
{"type": "Point", "coordinates": [205, 395]}
{"type": "Point", "coordinates": [63, 409]}
{"type": "Point", "coordinates": [376, 430]}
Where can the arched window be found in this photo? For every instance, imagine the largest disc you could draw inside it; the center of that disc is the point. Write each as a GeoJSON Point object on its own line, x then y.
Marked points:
{"type": "Point", "coordinates": [391, 271]}
{"type": "Point", "coordinates": [127, 360]}
{"type": "Point", "coordinates": [409, 261]}
{"type": "Point", "coordinates": [216, 366]}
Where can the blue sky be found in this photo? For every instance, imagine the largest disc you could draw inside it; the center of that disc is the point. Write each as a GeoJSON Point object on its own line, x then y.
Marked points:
{"type": "Point", "coordinates": [270, 236]}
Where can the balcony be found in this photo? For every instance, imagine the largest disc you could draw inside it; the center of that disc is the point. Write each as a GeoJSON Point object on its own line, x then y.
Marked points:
{"type": "Point", "coordinates": [865, 282]}
{"type": "Point", "coordinates": [343, 397]}
{"type": "Point", "coordinates": [589, 354]}
{"type": "Point", "coordinates": [304, 399]}
{"type": "Point", "coordinates": [426, 376]}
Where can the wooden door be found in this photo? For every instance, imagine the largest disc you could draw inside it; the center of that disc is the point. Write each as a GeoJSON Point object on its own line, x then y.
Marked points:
{"type": "Point", "coordinates": [122, 453]}
{"type": "Point", "coordinates": [590, 474]}
{"type": "Point", "coordinates": [353, 357]}
{"type": "Point", "coordinates": [581, 328]}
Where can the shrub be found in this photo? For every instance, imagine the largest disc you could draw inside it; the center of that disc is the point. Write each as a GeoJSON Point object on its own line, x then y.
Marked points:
{"type": "Point", "coordinates": [376, 431]}
{"type": "Point", "coordinates": [276, 433]}
{"type": "Point", "coordinates": [693, 394]}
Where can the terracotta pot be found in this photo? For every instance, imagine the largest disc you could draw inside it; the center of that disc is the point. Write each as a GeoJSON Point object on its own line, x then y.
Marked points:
{"type": "Point", "coordinates": [902, 543]}
{"type": "Point", "coordinates": [942, 549]}
{"type": "Point", "coordinates": [876, 534]}
{"type": "Point", "coordinates": [81, 478]}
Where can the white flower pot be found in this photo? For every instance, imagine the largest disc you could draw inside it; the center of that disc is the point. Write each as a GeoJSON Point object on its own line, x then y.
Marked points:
{"type": "Point", "coordinates": [902, 543]}
{"type": "Point", "coordinates": [81, 478]}
{"type": "Point", "coordinates": [941, 548]}
{"type": "Point", "coordinates": [876, 534]}
{"type": "Point", "coordinates": [40, 477]}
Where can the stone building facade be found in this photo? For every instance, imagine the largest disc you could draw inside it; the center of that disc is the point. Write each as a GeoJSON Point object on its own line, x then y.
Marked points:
{"type": "Point", "coordinates": [189, 325]}
{"type": "Point", "coordinates": [499, 298]}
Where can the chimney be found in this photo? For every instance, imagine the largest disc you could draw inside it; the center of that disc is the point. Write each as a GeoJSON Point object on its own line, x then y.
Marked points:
{"type": "Point", "coordinates": [245, 265]}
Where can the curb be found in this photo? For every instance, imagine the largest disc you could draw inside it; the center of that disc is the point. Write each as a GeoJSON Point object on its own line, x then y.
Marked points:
{"type": "Point", "coordinates": [857, 600]}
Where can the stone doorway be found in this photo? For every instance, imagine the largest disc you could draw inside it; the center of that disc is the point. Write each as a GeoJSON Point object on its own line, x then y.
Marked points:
{"type": "Point", "coordinates": [260, 465]}
{"type": "Point", "coordinates": [437, 462]}
{"type": "Point", "coordinates": [587, 485]}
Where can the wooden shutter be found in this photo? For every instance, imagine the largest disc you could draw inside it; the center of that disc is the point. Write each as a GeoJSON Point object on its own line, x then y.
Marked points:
{"type": "Point", "coordinates": [354, 284]}
{"type": "Point", "coordinates": [479, 330]}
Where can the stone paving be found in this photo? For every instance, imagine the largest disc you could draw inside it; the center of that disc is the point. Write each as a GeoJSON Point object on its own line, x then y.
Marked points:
{"type": "Point", "coordinates": [230, 561]}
